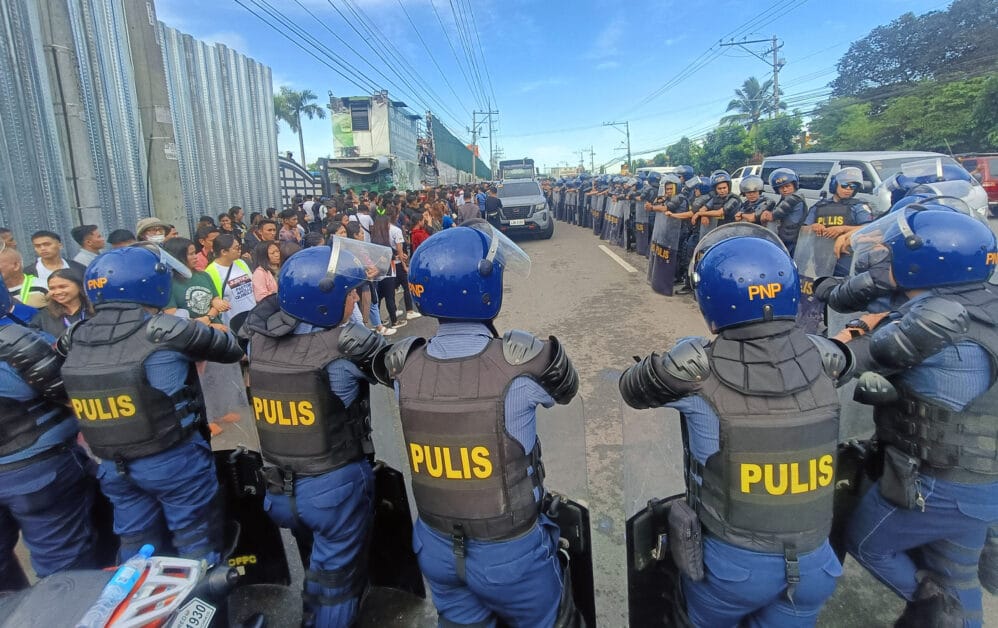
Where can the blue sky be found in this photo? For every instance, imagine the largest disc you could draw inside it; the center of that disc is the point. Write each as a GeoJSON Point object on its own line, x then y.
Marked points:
{"type": "Point", "coordinates": [558, 70]}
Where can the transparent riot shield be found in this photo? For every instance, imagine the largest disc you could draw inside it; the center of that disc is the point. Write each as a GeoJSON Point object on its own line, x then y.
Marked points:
{"type": "Point", "coordinates": [653, 480]}
{"type": "Point", "coordinates": [664, 253]}
{"type": "Point", "coordinates": [609, 219]}
{"type": "Point", "coordinates": [641, 233]}
{"type": "Point", "coordinates": [707, 225]}
{"type": "Point", "coordinates": [815, 257]}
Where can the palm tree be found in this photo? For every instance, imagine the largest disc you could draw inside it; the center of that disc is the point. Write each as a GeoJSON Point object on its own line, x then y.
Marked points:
{"type": "Point", "coordinates": [752, 103]}
{"type": "Point", "coordinates": [290, 106]}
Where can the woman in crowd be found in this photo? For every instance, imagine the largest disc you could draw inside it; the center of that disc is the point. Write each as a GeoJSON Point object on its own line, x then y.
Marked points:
{"type": "Point", "coordinates": [226, 227]}
{"type": "Point", "coordinates": [195, 295]}
{"type": "Point", "coordinates": [67, 304]}
{"type": "Point", "coordinates": [386, 233]}
{"type": "Point", "coordinates": [369, 303]}
{"type": "Point", "coordinates": [422, 230]}
{"type": "Point", "coordinates": [232, 279]}
{"type": "Point", "coordinates": [268, 266]}
{"type": "Point", "coordinates": [205, 243]}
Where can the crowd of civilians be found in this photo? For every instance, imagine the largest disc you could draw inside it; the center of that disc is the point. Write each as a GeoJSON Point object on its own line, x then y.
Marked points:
{"type": "Point", "coordinates": [235, 260]}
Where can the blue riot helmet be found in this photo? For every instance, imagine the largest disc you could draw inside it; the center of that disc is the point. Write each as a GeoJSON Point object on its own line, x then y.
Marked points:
{"type": "Point", "coordinates": [850, 178]}
{"type": "Point", "coordinates": [314, 283]}
{"type": "Point", "coordinates": [458, 273]}
{"type": "Point", "coordinates": [654, 179]}
{"type": "Point", "coordinates": [686, 172]}
{"type": "Point", "coordinates": [782, 176]}
{"type": "Point", "coordinates": [718, 177]}
{"type": "Point", "coordinates": [927, 246]}
{"type": "Point", "coordinates": [931, 170]}
{"type": "Point", "coordinates": [141, 273]}
{"type": "Point", "coordinates": [751, 183]}
{"type": "Point", "coordinates": [742, 273]}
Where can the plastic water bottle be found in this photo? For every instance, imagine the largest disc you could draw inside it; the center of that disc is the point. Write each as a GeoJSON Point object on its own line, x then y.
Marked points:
{"type": "Point", "coordinates": [117, 589]}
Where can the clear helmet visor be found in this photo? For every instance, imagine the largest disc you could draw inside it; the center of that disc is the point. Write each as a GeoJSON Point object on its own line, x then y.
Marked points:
{"type": "Point", "coordinates": [165, 258]}
{"type": "Point", "coordinates": [513, 259]}
{"type": "Point", "coordinates": [871, 244]}
{"type": "Point", "coordinates": [932, 168]}
{"type": "Point", "coordinates": [726, 232]}
{"type": "Point", "coordinates": [358, 260]}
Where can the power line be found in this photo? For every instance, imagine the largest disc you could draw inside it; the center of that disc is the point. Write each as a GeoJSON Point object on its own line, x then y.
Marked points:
{"type": "Point", "coordinates": [481, 49]}
{"type": "Point", "coordinates": [450, 45]}
{"type": "Point", "coordinates": [433, 58]}
{"type": "Point", "coordinates": [464, 38]}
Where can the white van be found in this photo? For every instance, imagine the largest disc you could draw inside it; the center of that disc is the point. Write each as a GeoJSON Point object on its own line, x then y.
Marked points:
{"type": "Point", "coordinates": [741, 173]}
{"type": "Point", "coordinates": [815, 170]}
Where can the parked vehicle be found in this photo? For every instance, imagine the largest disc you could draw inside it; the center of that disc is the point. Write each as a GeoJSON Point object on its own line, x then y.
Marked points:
{"type": "Point", "coordinates": [524, 209]}
{"type": "Point", "coordinates": [984, 168]}
{"type": "Point", "coordinates": [815, 170]}
{"type": "Point", "coordinates": [517, 169]}
{"type": "Point", "coordinates": [741, 173]}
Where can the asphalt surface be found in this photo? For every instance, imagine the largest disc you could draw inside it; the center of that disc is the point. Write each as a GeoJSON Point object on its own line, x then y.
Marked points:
{"type": "Point", "coordinates": [595, 450]}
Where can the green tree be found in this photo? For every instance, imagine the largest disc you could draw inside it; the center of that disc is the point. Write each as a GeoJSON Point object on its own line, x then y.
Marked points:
{"type": "Point", "coordinates": [681, 153]}
{"type": "Point", "coordinates": [725, 147]}
{"type": "Point", "coordinates": [844, 124]}
{"type": "Point", "coordinates": [290, 106]}
{"type": "Point", "coordinates": [984, 116]}
{"type": "Point", "coordinates": [778, 136]}
{"type": "Point", "coordinates": [660, 159]}
{"type": "Point", "coordinates": [752, 101]}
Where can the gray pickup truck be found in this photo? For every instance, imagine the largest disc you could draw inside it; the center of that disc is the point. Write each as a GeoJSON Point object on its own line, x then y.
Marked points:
{"type": "Point", "coordinates": [524, 209]}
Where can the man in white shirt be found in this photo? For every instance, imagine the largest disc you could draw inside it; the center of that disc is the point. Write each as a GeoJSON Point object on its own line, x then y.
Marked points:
{"type": "Point", "coordinates": [363, 216]}
{"type": "Point", "coordinates": [91, 243]}
{"type": "Point", "coordinates": [48, 247]}
{"type": "Point", "coordinates": [232, 279]}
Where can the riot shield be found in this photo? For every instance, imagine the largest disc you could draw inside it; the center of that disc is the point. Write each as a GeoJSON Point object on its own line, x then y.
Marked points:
{"type": "Point", "coordinates": [707, 225]}
{"type": "Point", "coordinates": [653, 469]}
{"type": "Point", "coordinates": [642, 236]}
{"type": "Point", "coordinates": [587, 212]}
{"type": "Point", "coordinates": [815, 257]}
{"type": "Point", "coordinates": [599, 214]}
{"type": "Point", "coordinates": [562, 434]}
{"type": "Point", "coordinates": [609, 218]}
{"type": "Point", "coordinates": [664, 253]}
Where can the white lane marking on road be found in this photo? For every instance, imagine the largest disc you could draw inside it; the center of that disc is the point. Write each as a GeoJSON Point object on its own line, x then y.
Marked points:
{"type": "Point", "coordinates": [618, 259]}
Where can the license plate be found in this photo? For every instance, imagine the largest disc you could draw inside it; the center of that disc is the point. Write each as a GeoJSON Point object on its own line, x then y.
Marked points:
{"type": "Point", "coordinates": [517, 223]}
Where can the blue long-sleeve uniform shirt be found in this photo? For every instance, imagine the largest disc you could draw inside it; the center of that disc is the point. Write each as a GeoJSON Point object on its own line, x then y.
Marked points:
{"type": "Point", "coordinates": [12, 386]}
{"type": "Point", "coordinates": [344, 376]}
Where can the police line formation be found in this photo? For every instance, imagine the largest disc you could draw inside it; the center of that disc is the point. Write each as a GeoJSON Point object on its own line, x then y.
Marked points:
{"type": "Point", "coordinates": [773, 500]}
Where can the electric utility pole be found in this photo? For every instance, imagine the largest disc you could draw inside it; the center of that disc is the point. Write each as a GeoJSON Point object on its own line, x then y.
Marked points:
{"type": "Point", "coordinates": [627, 132]}
{"type": "Point", "coordinates": [776, 63]}
{"type": "Point", "coordinates": [475, 124]}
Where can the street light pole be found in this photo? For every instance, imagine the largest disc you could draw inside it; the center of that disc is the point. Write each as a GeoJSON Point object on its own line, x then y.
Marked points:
{"type": "Point", "coordinates": [626, 132]}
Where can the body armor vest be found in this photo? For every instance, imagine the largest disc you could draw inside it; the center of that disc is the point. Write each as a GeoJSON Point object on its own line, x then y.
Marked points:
{"type": "Point", "coordinates": [770, 486]}
{"type": "Point", "coordinates": [788, 229]}
{"type": "Point", "coordinates": [832, 213]}
{"type": "Point", "coordinates": [468, 473]}
{"type": "Point", "coordinates": [19, 428]}
{"type": "Point", "coordinates": [303, 426]}
{"type": "Point", "coordinates": [122, 416]}
{"type": "Point", "coordinates": [957, 446]}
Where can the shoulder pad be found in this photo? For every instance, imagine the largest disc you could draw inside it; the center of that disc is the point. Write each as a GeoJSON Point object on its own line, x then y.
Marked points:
{"type": "Point", "coordinates": [836, 358]}
{"type": "Point", "coordinates": [163, 328]}
{"type": "Point", "coordinates": [688, 360]}
{"type": "Point", "coordinates": [399, 352]}
{"type": "Point", "coordinates": [519, 347]}
{"type": "Point", "coordinates": [65, 342]}
{"type": "Point", "coordinates": [357, 342]}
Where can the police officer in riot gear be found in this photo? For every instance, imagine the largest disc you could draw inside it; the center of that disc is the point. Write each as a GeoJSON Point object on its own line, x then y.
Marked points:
{"type": "Point", "coordinates": [761, 415]}
{"type": "Point", "coordinates": [467, 399]}
{"type": "Point", "coordinates": [670, 216]}
{"type": "Point", "coordinates": [841, 215]}
{"type": "Point", "coordinates": [932, 383]}
{"type": "Point", "coordinates": [723, 205]}
{"type": "Point", "coordinates": [309, 378]}
{"type": "Point", "coordinates": [45, 491]}
{"type": "Point", "coordinates": [129, 373]}
{"type": "Point", "coordinates": [697, 189]}
{"type": "Point", "coordinates": [790, 211]}
{"type": "Point", "coordinates": [755, 203]}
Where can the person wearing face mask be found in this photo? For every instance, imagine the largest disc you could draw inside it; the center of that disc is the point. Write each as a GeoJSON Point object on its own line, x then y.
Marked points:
{"type": "Point", "coordinates": [151, 229]}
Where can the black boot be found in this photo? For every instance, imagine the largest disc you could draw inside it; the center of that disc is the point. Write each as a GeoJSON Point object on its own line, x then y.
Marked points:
{"type": "Point", "coordinates": [933, 607]}
{"type": "Point", "coordinates": [987, 567]}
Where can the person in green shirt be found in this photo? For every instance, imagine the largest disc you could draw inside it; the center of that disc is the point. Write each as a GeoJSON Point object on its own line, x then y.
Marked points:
{"type": "Point", "coordinates": [196, 295]}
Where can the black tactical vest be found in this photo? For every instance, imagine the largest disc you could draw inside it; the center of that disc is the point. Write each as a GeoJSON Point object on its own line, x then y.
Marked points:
{"type": "Point", "coordinates": [832, 213]}
{"type": "Point", "coordinates": [303, 426]}
{"type": "Point", "coordinates": [122, 416]}
{"type": "Point", "coordinates": [468, 473]}
{"type": "Point", "coordinates": [789, 229]}
{"type": "Point", "coordinates": [770, 487]}
{"type": "Point", "coordinates": [955, 446]}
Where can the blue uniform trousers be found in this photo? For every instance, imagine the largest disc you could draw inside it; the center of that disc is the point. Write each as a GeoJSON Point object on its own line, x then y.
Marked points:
{"type": "Point", "coordinates": [742, 587]}
{"type": "Point", "coordinates": [169, 500]}
{"type": "Point", "coordinates": [49, 501]}
{"type": "Point", "coordinates": [518, 580]}
{"type": "Point", "coordinates": [338, 507]}
{"type": "Point", "coordinates": [948, 537]}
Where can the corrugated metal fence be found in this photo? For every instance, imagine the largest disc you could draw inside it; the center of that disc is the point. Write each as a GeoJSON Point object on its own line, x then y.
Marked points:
{"type": "Point", "coordinates": [71, 134]}
{"type": "Point", "coordinates": [223, 117]}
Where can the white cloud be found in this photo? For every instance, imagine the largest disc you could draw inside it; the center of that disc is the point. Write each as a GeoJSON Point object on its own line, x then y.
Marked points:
{"type": "Point", "coordinates": [607, 40]}
{"type": "Point", "coordinates": [607, 65]}
{"type": "Point", "coordinates": [531, 86]}
{"type": "Point", "coordinates": [233, 40]}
